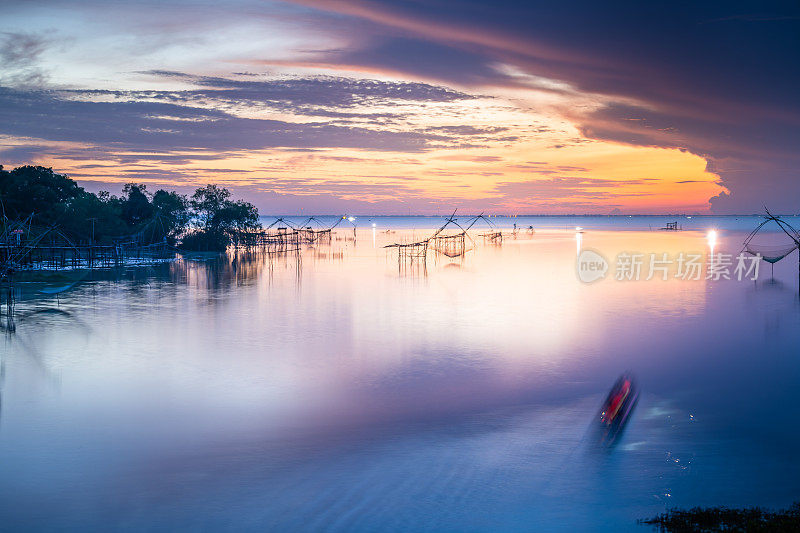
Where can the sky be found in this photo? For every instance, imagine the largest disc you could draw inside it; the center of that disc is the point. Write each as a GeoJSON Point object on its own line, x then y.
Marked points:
{"type": "Point", "coordinates": [413, 107]}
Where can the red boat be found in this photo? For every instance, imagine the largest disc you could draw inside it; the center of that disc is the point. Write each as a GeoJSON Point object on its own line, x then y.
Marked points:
{"type": "Point", "coordinates": [617, 408]}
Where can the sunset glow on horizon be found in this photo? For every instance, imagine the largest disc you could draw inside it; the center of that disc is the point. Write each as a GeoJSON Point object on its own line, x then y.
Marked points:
{"type": "Point", "coordinates": [372, 108]}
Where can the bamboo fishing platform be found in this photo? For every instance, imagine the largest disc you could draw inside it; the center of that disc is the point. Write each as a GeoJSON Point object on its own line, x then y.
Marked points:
{"type": "Point", "coordinates": [283, 236]}
{"type": "Point", "coordinates": [451, 245]}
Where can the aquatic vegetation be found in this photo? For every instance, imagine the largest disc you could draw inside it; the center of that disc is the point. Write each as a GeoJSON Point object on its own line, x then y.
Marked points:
{"type": "Point", "coordinates": [708, 519]}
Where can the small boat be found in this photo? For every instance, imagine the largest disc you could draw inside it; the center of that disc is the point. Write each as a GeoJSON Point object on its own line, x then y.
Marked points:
{"type": "Point", "coordinates": [33, 284]}
{"type": "Point", "coordinates": [57, 290]}
{"type": "Point", "coordinates": [617, 408]}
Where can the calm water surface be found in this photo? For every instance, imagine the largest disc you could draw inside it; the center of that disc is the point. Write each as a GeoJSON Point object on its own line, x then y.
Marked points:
{"type": "Point", "coordinates": [340, 392]}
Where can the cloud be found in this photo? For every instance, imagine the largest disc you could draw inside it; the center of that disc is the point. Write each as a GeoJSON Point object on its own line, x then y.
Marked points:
{"type": "Point", "coordinates": [327, 92]}
{"type": "Point", "coordinates": [565, 188]}
{"type": "Point", "coordinates": [717, 79]}
{"type": "Point", "coordinates": [469, 130]}
{"type": "Point", "coordinates": [23, 153]}
{"type": "Point", "coordinates": [162, 121]}
{"type": "Point", "coordinates": [19, 56]}
{"type": "Point", "coordinates": [425, 59]}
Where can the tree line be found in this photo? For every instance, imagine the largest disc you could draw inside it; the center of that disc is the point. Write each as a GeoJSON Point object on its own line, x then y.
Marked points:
{"type": "Point", "coordinates": [203, 221]}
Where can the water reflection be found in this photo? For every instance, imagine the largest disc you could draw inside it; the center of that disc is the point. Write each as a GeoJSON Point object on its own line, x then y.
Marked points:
{"type": "Point", "coordinates": [248, 389]}
{"type": "Point", "coordinates": [7, 323]}
{"type": "Point", "coordinates": [242, 268]}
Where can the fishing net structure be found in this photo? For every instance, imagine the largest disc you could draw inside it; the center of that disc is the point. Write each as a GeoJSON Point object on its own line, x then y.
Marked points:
{"type": "Point", "coordinates": [25, 246]}
{"type": "Point", "coordinates": [494, 237]}
{"type": "Point", "coordinates": [449, 245]}
{"type": "Point", "coordinates": [283, 236]}
{"type": "Point", "coordinates": [772, 253]}
{"type": "Point", "coordinates": [317, 233]}
{"type": "Point", "coordinates": [451, 240]}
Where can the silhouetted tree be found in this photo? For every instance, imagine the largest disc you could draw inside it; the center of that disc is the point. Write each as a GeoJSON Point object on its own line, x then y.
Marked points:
{"type": "Point", "coordinates": [238, 215]}
{"type": "Point", "coordinates": [56, 200]}
{"type": "Point", "coordinates": [93, 218]}
{"type": "Point", "coordinates": [136, 206]}
{"type": "Point", "coordinates": [217, 217]}
{"type": "Point", "coordinates": [207, 202]}
{"type": "Point", "coordinates": [36, 190]}
{"type": "Point", "coordinates": [172, 214]}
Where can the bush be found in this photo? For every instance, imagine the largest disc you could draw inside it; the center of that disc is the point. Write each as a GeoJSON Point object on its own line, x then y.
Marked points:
{"type": "Point", "coordinates": [205, 241]}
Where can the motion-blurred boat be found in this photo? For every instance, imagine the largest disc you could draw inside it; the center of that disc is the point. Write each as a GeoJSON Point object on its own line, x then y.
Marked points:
{"type": "Point", "coordinates": [617, 408]}
{"type": "Point", "coordinates": [33, 284]}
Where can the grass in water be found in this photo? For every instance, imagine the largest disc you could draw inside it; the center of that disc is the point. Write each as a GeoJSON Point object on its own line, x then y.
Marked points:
{"type": "Point", "coordinates": [708, 519]}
